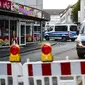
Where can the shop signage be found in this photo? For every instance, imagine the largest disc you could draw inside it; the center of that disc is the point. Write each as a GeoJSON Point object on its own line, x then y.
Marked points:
{"type": "Point", "coordinates": [5, 4]}
{"type": "Point", "coordinates": [24, 10]}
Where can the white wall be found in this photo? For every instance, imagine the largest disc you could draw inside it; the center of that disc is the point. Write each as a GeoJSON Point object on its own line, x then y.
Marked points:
{"type": "Point", "coordinates": [82, 11]}
{"type": "Point", "coordinates": [79, 16]}
{"type": "Point", "coordinates": [66, 17]}
{"type": "Point", "coordinates": [19, 1]}
{"type": "Point", "coordinates": [55, 18]}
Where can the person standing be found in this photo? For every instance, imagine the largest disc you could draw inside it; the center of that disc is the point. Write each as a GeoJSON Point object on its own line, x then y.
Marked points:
{"type": "Point", "coordinates": [14, 39]}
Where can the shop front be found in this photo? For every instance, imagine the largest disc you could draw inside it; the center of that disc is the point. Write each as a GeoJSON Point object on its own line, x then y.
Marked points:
{"type": "Point", "coordinates": [25, 31]}
{"type": "Point", "coordinates": [12, 27]}
{"type": "Point", "coordinates": [18, 23]}
{"type": "Point", "coordinates": [7, 27]}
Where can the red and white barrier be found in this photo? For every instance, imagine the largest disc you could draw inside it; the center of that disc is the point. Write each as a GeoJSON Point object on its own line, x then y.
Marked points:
{"type": "Point", "coordinates": [42, 73]}
{"type": "Point", "coordinates": [10, 72]}
{"type": "Point", "coordinates": [56, 68]}
{"type": "Point", "coordinates": [39, 70]}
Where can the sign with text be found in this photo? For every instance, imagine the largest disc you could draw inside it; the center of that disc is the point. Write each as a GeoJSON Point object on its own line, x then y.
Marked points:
{"type": "Point", "coordinates": [5, 4]}
{"type": "Point", "coordinates": [25, 10]}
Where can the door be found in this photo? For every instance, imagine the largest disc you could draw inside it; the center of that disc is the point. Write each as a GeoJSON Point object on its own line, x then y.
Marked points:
{"type": "Point", "coordinates": [28, 33]}
{"type": "Point", "coordinates": [22, 32]}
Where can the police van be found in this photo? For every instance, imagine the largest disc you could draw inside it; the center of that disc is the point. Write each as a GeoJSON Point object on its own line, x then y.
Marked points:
{"type": "Point", "coordinates": [61, 31]}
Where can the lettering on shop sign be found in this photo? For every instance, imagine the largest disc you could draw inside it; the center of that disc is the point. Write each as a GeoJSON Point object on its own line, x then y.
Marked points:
{"type": "Point", "coordinates": [4, 4]}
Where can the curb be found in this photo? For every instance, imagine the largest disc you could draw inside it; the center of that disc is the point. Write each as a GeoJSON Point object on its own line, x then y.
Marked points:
{"type": "Point", "coordinates": [36, 48]}
{"type": "Point", "coordinates": [28, 50]}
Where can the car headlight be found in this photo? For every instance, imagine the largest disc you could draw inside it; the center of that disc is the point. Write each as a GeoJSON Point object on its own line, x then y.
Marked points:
{"type": "Point", "coordinates": [79, 43]}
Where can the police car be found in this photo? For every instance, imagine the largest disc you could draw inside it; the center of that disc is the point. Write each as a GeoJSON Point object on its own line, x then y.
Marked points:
{"type": "Point", "coordinates": [62, 31]}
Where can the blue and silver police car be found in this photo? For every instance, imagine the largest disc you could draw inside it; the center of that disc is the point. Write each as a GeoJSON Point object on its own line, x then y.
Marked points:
{"type": "Point", "coordinates": [62, 31]}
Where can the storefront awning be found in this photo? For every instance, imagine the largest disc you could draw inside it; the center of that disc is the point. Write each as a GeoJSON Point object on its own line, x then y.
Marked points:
{"type": "Point", "coordinates": [16, 15]}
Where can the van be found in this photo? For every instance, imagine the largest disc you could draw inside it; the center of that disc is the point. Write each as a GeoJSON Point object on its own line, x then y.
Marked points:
{"type": "Point", "coordinates": [80, 41]}
{"type": "Point", "coordinates": [62, 31]}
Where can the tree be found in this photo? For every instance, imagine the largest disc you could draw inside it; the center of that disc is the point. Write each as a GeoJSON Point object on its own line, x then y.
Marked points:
{"type": "Point", "coordinates": [74, 13]}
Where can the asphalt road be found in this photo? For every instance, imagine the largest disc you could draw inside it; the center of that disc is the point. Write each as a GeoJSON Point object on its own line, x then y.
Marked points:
{"type": "Point", "coordinates": [59, 51]}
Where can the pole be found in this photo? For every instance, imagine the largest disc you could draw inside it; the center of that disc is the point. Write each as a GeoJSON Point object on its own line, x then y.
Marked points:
{"type": "Point", "coordinates": [41, 30]}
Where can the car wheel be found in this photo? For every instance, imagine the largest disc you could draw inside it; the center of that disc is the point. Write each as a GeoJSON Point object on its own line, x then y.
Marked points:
{"type": "Point", "coordinates": [80, 55]}
{"type": "Point", "coordinates": [47, 37]}
{"type": "Point", "coordinates": [73, 39]}
{"type": "Point", "coordinates": [64, 39]}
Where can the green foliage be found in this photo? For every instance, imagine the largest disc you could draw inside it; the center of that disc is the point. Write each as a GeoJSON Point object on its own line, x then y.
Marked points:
{"type": "Point", "coordinates": [74, 14]}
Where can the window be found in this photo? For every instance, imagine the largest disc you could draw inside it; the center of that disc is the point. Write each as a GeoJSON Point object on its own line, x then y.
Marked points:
{"type": "Point", "coordinates": [37, 28]}
{"type": "Point", "coordinates": [50, 29]}
{"type": "Point", "coordinates": [82, 31]}
{"type": "Point", "coordinates": [61, 28]}
{"type": "Point", "coordinates": [73, 28]}
{"type": "Point", "coordinates": [4, 32]}
{"type": "Point", "coordinates": [28, 29]}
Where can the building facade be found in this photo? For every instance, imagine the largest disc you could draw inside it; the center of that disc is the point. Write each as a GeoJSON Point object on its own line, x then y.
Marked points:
{"type": "Point", "coordinates": [65, 16]}
{"type": "Point", "coordinates": [82, 10]}
{"type": "Point", "coordinates": [32, 3]}
{"type": "Point", "coordinates": [54, 17]}
{"type": "Point", "coordinates": [20, 22]}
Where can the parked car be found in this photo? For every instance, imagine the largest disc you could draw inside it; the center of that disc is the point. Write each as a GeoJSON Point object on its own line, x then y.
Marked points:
{"type": "Point", "coordinates": [62, 31]}
{"type": "Point", "coordinates": [80, 41]}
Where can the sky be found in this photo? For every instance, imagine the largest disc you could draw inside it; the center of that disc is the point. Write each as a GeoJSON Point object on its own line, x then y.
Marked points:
{"type": "Point", "coordinates": [57, 4]}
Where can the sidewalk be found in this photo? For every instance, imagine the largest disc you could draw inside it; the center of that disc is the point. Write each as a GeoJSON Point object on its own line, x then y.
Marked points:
{"type": "Point", "coordinates": [29, 47]}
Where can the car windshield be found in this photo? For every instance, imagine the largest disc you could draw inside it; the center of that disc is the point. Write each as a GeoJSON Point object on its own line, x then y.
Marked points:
{"type": "Point", "coordinates": [61, 28]}
{"type": "Point", "coordinates": [82, 30]}
{"type": "Point", "coordinates": [73, 28]}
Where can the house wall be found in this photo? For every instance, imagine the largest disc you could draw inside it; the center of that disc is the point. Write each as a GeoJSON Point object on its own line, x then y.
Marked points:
{"type": "Point", "coordinates": [66, 16]}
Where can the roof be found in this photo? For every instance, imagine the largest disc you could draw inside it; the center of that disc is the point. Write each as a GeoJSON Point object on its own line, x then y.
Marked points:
{"type": "Point", "coordinates": [54, 11]}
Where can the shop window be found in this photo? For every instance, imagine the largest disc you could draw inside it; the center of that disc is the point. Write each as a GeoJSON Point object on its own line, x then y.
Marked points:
{"type": "Point", "coordinates": [13, 30]}
{"type": "Point", "coordinates": [4, 33]}
{"type": "Point", "coordinates": [28, 34]}
{"type": "Point", "coordinates": [36, 33]}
